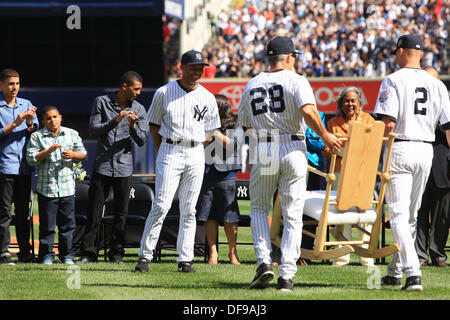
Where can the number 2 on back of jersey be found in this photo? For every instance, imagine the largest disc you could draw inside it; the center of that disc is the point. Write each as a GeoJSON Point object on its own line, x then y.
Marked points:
{"type": "Point", "coordinates": [260, 105]}
{"type": "Point", "coordinates": [422, 94]}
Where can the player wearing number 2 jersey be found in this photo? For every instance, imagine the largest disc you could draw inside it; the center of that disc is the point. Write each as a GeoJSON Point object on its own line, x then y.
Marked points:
{"type": "Point", "coordinates": [276, 105]}
{"type": "Point", "coordinates": [411, 102]}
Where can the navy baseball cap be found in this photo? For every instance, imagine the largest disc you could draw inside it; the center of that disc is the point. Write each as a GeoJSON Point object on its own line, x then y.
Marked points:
{"type": "Point", "coordinates": [192, 57]}
{"type": "Point", "coordinates": [408, 41]}
{"type": "Point", "coordinates": [281, 45]}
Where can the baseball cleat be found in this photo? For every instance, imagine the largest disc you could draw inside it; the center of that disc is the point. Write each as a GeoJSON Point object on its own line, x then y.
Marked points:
{"type": "Point", "coordinates": [6, 260]}
{"type": "Point", "coordinates": [391, 281]}
{"type": "Point", "coordinates": [264, 275]}
{"type": "Point", "coordinates": [185, 267]}
{"type": "Point", "coordinates": [413, 284]}
{"type": "Point", "coordinates": [142, 265]}
{"type": "Point", "coordinates": [285, 284]}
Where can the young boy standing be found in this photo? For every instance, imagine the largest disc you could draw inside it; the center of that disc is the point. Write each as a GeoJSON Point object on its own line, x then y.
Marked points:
{"type": "Point", "coordinates": [53, 149]}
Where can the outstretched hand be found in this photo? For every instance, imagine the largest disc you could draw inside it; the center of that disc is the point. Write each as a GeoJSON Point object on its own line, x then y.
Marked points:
{"type": "Point", "coordinates": [332, 142]}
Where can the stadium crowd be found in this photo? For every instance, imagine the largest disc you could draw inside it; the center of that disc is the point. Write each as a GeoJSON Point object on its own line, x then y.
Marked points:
{"type": "Point", "coordinates": [336, 38]}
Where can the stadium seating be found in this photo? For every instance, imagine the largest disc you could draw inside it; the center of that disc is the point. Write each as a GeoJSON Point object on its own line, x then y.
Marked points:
{"type": "Point", "coordinates": [336, 38]}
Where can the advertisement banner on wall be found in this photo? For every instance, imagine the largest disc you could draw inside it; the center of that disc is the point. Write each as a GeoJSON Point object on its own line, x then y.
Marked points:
{"type": "Point", "coordinates": [325, 92]}
{"type": "Point", "coordinates": [174, 8]}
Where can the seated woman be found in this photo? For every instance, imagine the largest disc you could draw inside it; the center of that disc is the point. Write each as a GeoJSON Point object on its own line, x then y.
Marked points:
{"type": "Point", "coordinates": [349, 109]}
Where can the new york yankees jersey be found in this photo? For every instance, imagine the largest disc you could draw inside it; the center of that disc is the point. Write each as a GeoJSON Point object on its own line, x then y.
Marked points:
{"type": "Point", "coordinates": [272, 100]}
{"type": "Point", "coordinates": [416, 101]}
{"type": "Point", "coordinates": [183, 115]}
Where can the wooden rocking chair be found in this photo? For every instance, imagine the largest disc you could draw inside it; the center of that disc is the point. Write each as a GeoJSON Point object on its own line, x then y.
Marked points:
{"type": "Point", "coordinates": [353, 201]}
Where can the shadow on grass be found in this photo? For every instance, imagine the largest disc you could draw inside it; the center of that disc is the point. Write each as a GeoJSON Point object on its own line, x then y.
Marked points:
{"type": "Point", "coordinates": [103, 270]}
{"type": "Point", "coordinates": [124, 285]}
{"type": "Point", "coordinates": [229, 285]}
{"type": "Point", "coordinates": [215, 285]}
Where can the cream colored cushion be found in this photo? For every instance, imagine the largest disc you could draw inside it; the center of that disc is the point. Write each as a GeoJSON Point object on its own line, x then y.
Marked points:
{"type": "Point", "coordinates": [314, 204]}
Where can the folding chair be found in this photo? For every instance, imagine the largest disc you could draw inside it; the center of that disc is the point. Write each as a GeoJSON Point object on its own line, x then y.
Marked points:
{"type": "Point", "coordinates": [31, 215]}
{"type": "Point", "coordinates": [81, 202]}
{"type": "Point", "coordinates": [169, 233]}
{"type": "Point", "coordinates": [353, 201]}
{"type": "Point", "coordinates": [81, 205]}
{"type": "Point", "coordinates": [141, 199]}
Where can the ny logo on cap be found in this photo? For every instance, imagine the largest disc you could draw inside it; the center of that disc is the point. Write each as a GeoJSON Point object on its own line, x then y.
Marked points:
{"type": "Point", "coordinates": [198, 56]}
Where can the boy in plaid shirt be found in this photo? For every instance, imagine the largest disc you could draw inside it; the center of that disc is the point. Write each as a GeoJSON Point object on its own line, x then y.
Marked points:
{"type": "Point", "coordinates": [53, 149]}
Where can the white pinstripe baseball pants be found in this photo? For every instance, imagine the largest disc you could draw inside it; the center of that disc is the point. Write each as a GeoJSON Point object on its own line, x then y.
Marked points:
{"type": "Point", "coordinates": [182, 167]}
{"type": "Point", "coordinates": [288, 173]}
{"type": "Point", "coordinates": [409, 169]}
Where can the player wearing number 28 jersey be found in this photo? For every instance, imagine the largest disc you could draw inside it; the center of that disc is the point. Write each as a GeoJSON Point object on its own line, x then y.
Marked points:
{"type": "Point", "coordinates": [411, 102]}
{"type": "Point", "coordinates": [276, 105]}
{"type": "Point", "coordinates": [274, 99]}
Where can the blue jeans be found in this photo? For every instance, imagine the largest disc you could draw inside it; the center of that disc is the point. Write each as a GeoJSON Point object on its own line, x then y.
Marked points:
{"type": "Point", "coordinates": [56, 212]}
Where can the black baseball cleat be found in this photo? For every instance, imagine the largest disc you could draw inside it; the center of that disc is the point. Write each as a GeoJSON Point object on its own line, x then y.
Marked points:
{"type": "Point", "coordinates": [285, 284]}
{"type": "Point", "coordinates": [185, 266]}
{"type": "Point", "coordinates": [264, 275]}
{"type": "Point", "coordinates": [413, 284]}
{"type": "Point", "coordinates": [391, 281]}
{"type": "Point", "coordinates": [6, 260]}
{"type": "Point", "coordinates": [142, 265]}
{"type": "Point", "coordinates": [27, 258]}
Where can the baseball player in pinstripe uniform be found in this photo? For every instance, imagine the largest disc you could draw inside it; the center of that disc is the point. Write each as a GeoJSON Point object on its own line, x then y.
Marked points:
{"type": "Point", "coordinates": [181, 117]}
{"type": "Point", "coordinates": [276, 104]}
{"type": "Point", "coordinates": [410, 102]}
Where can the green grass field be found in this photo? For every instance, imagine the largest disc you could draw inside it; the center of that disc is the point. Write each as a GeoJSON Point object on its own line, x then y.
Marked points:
{"type": "Point", "coordinates": [106, 281]}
